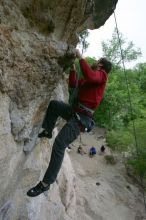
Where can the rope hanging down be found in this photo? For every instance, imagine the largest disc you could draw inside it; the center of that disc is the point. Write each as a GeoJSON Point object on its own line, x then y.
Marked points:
{"type": "Point", "coordinates": [130, 102]}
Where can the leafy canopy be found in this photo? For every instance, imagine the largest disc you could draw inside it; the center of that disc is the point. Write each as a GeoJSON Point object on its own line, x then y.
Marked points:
{"type": "Point", "coordinates": [111, 49]}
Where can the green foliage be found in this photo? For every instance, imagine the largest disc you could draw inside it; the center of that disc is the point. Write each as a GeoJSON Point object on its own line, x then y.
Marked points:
{"type": "Point", "coordinates": [141, 72]}
{"type": "Point", "coordinates": [82, 40]}
{"type": "Point", "coordinates": [111, 49]}
{"type": "Point", "coordinates": [138, 160]}
{"type": "Point", "coordinates": [124, 98]}
{"type": "Point", "coordinates": [119, 140]}
{"type": "Point", "coordinates": [140, 128]}
{"type": "Point", "coordinates": [138, 164]}
{"type": "Point", "coordinates": [125, 140]}
{"type": "Point", "coordinates": [124, 103]}
{"type": "Point", "coordinates": [115, 109]}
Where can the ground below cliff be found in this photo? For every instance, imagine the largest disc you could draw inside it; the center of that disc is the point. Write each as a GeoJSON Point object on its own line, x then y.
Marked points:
{"type": "Point", "coordinates": [104, 191]}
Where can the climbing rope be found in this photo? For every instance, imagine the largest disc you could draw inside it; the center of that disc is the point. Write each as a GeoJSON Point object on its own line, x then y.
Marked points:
{"type": "Point", "coordinates": [130, 103]}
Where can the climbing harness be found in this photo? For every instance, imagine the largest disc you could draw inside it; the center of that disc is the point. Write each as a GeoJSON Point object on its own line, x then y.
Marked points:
{"type": "Point", "coordinates": [87, 124]}
{"type": "Point", "coordinates": [81, 106]}
{"type": "Point", "coordinates": [130, 103]}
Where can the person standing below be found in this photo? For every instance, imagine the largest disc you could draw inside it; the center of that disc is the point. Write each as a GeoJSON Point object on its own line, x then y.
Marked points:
{"type": "Point", "coordinates": [79, 117]}
{"type": "Point", "coordinates": [92, 151]}
{"type": "Point", "coordinates": [102, 149]}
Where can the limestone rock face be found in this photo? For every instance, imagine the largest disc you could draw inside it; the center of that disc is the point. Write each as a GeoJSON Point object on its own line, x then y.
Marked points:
{"type": "Point", "coordinates": [37, 42]}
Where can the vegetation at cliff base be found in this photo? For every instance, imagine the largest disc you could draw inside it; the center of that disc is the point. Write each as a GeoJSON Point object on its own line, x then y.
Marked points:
{"type": "Point", "coordinates": [123, 108]}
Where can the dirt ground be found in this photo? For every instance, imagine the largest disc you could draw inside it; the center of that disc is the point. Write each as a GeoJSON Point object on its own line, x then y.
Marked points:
{"type": "Point", "coordinates": [104, 191]}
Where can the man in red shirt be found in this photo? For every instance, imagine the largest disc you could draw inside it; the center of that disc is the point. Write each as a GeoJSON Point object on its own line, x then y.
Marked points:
{"type": "Point", "coordinates": [79, 117]}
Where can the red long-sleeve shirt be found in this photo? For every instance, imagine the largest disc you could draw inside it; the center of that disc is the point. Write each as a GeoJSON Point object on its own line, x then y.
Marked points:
{"type": "Point", "coordinates": [91, 87]}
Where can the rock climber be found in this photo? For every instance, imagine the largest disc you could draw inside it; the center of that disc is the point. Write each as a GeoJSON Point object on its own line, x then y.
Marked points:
{"type": "Point", "coordinates": [79, 117]}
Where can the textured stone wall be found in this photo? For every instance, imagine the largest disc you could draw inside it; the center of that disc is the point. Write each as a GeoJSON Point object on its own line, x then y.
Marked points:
{"type": "Point", "coordinates": [37, 42]}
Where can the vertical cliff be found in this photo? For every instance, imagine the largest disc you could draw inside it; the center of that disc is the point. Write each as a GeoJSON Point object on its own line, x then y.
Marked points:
{"type": "Point", "coordinates": [37, 42]}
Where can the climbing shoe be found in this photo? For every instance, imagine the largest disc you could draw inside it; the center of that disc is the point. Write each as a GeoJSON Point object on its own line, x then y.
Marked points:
{"type": "Point", "coordinates": [37, 190]}
{"type": "Point", "coordinates": [44, 133]}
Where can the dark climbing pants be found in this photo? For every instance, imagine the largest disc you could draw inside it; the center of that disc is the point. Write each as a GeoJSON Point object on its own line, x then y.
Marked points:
{"type": "Point", "coordinates": [67, 135]}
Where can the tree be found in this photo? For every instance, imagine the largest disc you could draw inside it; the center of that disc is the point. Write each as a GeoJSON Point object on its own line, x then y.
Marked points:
{"type": "Point", "coordinates": [121, 132]}
{"type": "Point", "coordinates": [141, 72]}
{"type": "Point", "coordinates": [111, 49]}
{"type": "Point", "coordinates": [82, 40]}
{"type": "Point", "coordinates": [115, 111]}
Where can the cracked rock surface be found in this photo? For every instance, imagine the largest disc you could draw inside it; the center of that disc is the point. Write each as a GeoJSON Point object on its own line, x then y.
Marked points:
{"type": "Point", "coordinates": [37, 43]}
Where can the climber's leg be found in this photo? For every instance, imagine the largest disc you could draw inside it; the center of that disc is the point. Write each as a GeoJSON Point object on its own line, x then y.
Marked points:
{"type": "Point", "coordinates": [54, 110]}
{"type": "Point", "coordinates": [67, 135]}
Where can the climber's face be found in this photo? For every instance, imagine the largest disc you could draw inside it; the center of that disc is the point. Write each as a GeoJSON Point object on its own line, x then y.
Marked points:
{"type": "Point", "coordinates": [99, 65]}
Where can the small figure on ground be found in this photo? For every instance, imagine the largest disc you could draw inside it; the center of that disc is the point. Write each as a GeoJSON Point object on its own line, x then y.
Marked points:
{"type": "Point", "coordinates": [80, 150]}
{"type": "Point", "coordinates": [92, 151]}
{"type": "Point", "coordinates": [102, 149]}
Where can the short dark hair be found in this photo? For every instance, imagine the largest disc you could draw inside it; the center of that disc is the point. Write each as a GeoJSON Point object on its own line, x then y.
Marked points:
{"type": "Point", "coordinates": [107, 65]}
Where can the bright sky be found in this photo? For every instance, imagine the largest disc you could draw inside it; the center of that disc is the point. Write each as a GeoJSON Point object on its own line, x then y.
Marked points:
{"type": "Point", "coordinates": [131, 18]}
